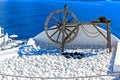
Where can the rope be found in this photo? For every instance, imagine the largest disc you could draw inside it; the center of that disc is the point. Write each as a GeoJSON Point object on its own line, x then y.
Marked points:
{"type": "Point", "coordinates": [89, 31]}
{"type": "Point", "coordinates": [87, 34]}
{"type": "Point", "coordinates": [115, 75]}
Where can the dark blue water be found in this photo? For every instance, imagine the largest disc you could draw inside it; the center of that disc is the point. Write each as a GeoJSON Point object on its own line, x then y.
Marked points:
{"type": "Point", "coordinates": [26, 19]}
{"type": "Point", "coordinates": [23, 18]}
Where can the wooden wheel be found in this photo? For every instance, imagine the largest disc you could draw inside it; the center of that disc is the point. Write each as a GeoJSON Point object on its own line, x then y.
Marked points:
{"type": "Point", "coordinates": [58, 26]}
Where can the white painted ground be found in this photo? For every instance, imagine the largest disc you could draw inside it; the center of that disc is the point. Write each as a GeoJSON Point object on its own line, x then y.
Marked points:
{"type": "Point", "coordinates": [9, 53]}
{"type": "Point", "coordinates": [58, 66]}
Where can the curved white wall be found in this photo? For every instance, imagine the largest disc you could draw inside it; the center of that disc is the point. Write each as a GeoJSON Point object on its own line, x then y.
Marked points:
{"type": "Point", "coordinates": [82, 38]}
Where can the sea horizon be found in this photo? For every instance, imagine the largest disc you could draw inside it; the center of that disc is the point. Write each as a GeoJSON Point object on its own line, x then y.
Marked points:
{"type": "Point", "coordinates": [27, 18]}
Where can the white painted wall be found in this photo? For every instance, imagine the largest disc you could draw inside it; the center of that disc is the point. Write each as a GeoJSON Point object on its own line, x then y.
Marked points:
{"type": "Point", "coordinates": [116, 67]}
{"type": "Point", "coordinates": [32, 42]}
{"type": "Point", "coordinates": [82, 38]}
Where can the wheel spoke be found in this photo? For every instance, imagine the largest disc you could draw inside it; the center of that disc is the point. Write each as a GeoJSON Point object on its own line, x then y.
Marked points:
{"type": "Point", "coordinates": [53, 28]}
{"type": "Point", "coordinates": [55, 19]}
{"type": "Point", "coordinates": [70, 33]}
{"type": "Point", "coordinates": [66, 16]}
{"type": "Point", "coordinates": [60, 17]}
{"type": "Point", "coordinates": [59, 34]}
{"type": "Point", "coordinates": [68, 39]}
{"type": "Point", "coordinates": [67, 36]}
{"type": "Point", "coordinates": [71, 30]}
{"type": "Point", "coordinates": [66, 33]}
{"type": "Point", "coordinates": [70, 19]}
{"type": "Point", "coordinates": [54, 33]}
{"type": "Point", "coordinates": [70, 26]}
{"type": "Point", "coordinates": [52, 23]}
{"type": "Point", "coordinates": [68, 29]}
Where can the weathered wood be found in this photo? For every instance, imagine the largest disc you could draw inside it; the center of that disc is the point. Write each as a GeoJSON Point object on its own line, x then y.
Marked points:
{"type": "Point", "coordinates": [63, 25]}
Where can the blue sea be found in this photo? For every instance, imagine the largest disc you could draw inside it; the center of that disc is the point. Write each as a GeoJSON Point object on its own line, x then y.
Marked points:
{"type": "Point", "coordinates": [27, 18]}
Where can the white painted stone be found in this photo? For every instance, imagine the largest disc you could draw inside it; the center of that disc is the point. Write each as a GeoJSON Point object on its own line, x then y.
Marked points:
{"type": "Point", "coordinates": [117, 59]}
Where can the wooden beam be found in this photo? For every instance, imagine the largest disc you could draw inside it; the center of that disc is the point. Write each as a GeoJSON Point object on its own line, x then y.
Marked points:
{"type": "Point", "coordinates": [109, 38]}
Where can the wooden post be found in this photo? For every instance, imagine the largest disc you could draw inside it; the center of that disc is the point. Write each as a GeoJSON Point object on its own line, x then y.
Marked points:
{"type": "Point", "coordinates": [109, 38]}
{"type": "Point", "coordinates": [63, 27]}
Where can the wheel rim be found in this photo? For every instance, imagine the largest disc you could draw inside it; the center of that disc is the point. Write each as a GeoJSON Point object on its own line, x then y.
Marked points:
{"type": "Point", "coordinates": [54, 24]}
